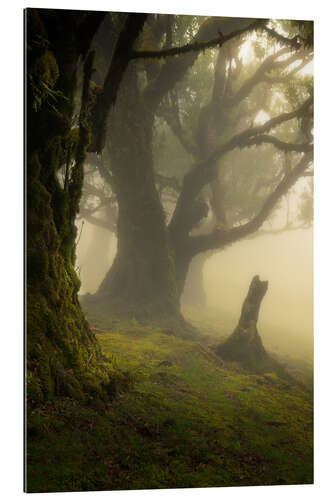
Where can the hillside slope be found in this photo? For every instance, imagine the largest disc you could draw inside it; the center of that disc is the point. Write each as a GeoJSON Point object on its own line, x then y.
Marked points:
{"type": "Point", "coordinates": [189, 421]}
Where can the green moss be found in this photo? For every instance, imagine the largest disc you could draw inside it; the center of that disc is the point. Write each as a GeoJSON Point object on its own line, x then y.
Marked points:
{"type": "Point", "coordinates": [188, 422]}
{"type": "Point", "coordinates": [63, 356]}
{"type": "Point", "coordinates": [46, 68]}
{"type": "Point", "coordinates": [34, 392]}
{"type": "Point", "coordinates": [60, 346]}
{"type": "Point", "coordinates": [43, 75]}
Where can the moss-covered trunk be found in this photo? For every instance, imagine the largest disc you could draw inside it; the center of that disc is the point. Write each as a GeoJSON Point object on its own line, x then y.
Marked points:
{"type": "Point", "coordinates": [141, 282]}
{"type": "Point", "coordinates": [63, 357]}
{"type": "Point", "coordinates": [245, 344]}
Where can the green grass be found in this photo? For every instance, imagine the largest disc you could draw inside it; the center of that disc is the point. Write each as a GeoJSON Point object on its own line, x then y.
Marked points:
{"type": "Point", "coordinates": [190, 421]}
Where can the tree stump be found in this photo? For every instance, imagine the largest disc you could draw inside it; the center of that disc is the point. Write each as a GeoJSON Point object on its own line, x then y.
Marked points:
{"type": "Point", "coordinates": [244, 344]}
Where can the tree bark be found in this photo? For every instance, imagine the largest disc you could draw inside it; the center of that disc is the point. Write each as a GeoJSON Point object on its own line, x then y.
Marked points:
{"type": "Point", "coordinates": [141, 282]}
{"type": "Point", "coordinates": [245, 345]}
{"type": "Point", "coordinates": [152, 262]}
{"type": "Point", "coordinates": [144, 282]}
{"type": "Point", "coordinates": [63, 355]}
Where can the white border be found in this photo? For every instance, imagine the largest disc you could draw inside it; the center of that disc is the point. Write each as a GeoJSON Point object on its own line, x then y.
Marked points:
{"type": "Point", "coordinates": [12, 242]}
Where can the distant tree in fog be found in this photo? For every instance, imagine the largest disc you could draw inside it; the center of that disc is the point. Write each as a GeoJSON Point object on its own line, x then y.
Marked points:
{"type": "Point", "coordinates": [201, 148]}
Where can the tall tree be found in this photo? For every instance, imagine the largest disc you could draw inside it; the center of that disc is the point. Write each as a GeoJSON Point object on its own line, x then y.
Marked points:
{"type": "Point", "coordinates": [240, 90]}
{"type": "Point", "coordinates": [142, 281]}
{"type": "Point", "coordinates": [63, 356]}
{"type": "Point", "coordinates": [148, 275]}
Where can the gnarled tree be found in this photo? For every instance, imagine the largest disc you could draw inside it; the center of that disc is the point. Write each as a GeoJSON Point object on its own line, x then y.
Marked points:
{"type": "Point", "coordinates": [63, 357]}
{"type": "Point", "coordinates": [149, 272]}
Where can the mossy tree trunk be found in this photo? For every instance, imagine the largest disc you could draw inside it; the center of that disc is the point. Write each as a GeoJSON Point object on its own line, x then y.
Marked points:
{"type": "Point", "coordinates": [147, 277]}
{"type": "Point", "coordinates": [141, 281]}
{"type": "Point", "coordinates": [245, 344]}
{"type": "Point", "coordinates": [149, 272]}
{"type": "Point", "coordinates": [63, 356]}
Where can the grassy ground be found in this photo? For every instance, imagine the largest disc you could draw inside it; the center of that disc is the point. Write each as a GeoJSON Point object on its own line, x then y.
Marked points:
{"type": "Point", "coordinates": [190, 421]}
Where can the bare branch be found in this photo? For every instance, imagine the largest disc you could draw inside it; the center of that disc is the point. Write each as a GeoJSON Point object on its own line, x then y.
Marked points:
{"type": "Point", "coordinates": [275, 232]}
{"type": "Point", "coordinates": [285, 77]}
{"type": "Point", "coordinates": [241, 139]}
{"type": "Point", "coordinates": [204, 172]}
{"type": "Point", "coordinates": [176, 67]}
{"type": "Point", "coordinates": [197, 46]}
{"type": "Point", "coordinates": [220, 238]}
{"type": "Point", "coordinates": [258, 76]}
{"type": "Point", "coordinates": [284, 146]}
{"type": "Point", "coordinates": [107, 95]}
{"type": "Point", "coordinates": [262, 73]}
{"type": "Point", "coordinates": [294, 42]}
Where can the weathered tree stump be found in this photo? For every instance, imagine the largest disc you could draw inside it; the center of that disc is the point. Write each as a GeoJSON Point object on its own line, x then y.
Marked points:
{"type": "Point", "coordinates": [244, 344]}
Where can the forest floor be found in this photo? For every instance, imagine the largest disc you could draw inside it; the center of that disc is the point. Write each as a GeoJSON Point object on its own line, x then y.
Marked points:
{"type": "Point", "coordinates": [191, 420]}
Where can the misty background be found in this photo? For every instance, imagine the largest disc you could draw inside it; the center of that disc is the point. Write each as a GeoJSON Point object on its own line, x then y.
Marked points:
{"type": "Point", "coordinates": [284, 255]}
{"type": "Point", "coordinates": [285, 260]}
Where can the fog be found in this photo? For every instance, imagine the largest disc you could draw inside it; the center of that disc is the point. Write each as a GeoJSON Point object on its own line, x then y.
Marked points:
{"type": "Point", "coordinates": [246, 177]}
{"type": "Point", "coordinates": [285, 260]}
{"type": "Point", "coordinates": [96, 250]}
{"type": "Point", "coordinates": [169, 251]}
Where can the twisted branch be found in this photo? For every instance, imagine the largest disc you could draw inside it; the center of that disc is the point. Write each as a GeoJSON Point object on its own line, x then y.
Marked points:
{"type": "Point", "coordinates": [219, 238]}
